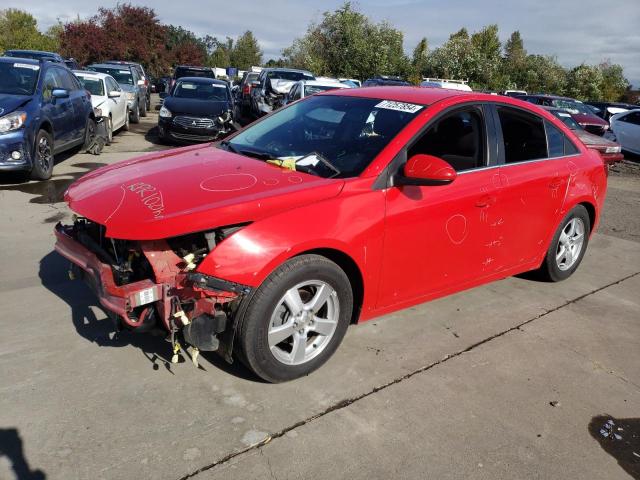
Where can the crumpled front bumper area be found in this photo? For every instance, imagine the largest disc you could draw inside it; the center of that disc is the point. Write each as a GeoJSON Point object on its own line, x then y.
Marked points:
{"type": "Point", "coordinates": [120, 300]}
{"type": "Point", "coordinates": [189, 305]}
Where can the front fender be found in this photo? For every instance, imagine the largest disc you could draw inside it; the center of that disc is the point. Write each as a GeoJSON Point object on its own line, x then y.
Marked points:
{"type": "Point", "coordinates": [352, 223]}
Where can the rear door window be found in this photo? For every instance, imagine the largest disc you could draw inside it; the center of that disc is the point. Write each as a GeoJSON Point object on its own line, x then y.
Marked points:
{"type": "Point", "coordinates": [523, 134]}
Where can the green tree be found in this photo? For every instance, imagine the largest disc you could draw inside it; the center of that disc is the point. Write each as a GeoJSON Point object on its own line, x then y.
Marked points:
{"type": "Point", "coordinates": [544, 74]}
{"type": "Point", "coordinates": [346, 43]}
{"type": "Point", "coordinates": [614, 84]}
{"type": "Point", "coordinates": [246, 51]}
{"type": "Point", "coordinates": [456, 59]}
{"type": "Point", "coordinates": [419, 61]}
{"type": "Point", "coordinates": [585, 82]}
{"type": "Point", "coordinates": [486, 45]}
{"type": "Point", "coordinates": [514, 62]}
{"type": "Point", "coordinates": [19, 29]}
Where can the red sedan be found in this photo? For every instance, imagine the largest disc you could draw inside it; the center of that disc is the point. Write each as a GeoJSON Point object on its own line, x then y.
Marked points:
{"type": "Point", "coordinates": [336, 209]}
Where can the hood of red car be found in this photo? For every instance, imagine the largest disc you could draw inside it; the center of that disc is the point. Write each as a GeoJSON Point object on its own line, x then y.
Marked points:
{"type": "Point", "coordinates": [189, 190]}
{"type": "Point", "coordinates": [584, 119]}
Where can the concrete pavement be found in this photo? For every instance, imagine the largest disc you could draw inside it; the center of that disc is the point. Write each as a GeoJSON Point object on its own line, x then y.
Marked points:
{"type": "Point", "coordinates": [498, 382]}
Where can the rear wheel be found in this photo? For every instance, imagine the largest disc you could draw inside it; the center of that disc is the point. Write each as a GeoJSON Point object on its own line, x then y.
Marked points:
{"type": "Point", "coordinates": [568, 246]}
{"type": "Point", "coordinates": [135, 114]}
{"type": "Point", "coordinates": [42, 156]}
{"type": "Point", "coordinates": [126, 125]}
{"type": "Point", "coordinates": [296, 319]}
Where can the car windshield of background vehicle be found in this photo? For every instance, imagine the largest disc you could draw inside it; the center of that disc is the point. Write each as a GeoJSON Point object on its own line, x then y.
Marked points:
{"type": "Point", "coordinates": [293, 76]}
{"type": "Point", "coordinates": [18, 78]}
{"type": "Point", "coordinates": [328, 136]}
{"type": "Point", "coordinates": [92, 85]}
{"type": "Point", "coordinates": [123, 77]}
{"type": "Point", "coordinates": [313, 89]}
{"type": "Point", "coordinates": [573, 107]}
{"type": "Point", "coordinates": [201, 91]}
{"type": "Point", "coordinates": [187, 72]}
{"type": "Point", "coordinates": [568, 120]}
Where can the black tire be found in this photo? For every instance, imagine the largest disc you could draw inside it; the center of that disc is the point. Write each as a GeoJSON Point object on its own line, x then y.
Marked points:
{"type": "Point", "coordinates": [135, 114]}
{"type": "Point", "coordinates": [550, 270]}
{"type": "Point", "coordinates": [90, 133]}
{"type": "Point", "coordinates": [42, 161]}
{"type": "Point", "coordinates": [109, 127]}
{"type": "Point", "coordinates": [148, 104]}
{"type": "Point", "coordinates": [252, 340]}
{"type": "Point", "coordinates": [127, 119]}
{"type": "Point", "coordinates": [143, 109]}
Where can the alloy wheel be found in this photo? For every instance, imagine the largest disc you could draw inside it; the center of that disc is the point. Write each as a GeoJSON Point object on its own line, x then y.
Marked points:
{"type": "Point", "coordinates": [570, 244]}
{"type": "Point", "coordinates": [44, 154]}
{"type": "Point", "coordinates": [303, 322]}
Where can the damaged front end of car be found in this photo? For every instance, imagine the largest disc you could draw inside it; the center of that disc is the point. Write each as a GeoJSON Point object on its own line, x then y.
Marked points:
{"type": "Point", "coordinates": [154, 284]}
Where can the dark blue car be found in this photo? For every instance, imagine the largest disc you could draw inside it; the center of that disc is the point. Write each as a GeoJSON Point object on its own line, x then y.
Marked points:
{"type": "Point", "coordinates": [43, 111]}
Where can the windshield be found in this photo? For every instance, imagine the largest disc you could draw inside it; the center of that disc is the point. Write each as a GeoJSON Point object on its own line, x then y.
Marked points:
{"type": "Point", "coordinates": [193, 72]}
{"type": "Point", "coordinates": [573, 107]}
{"type": "Point", "coordinates": [289, 75]}
{"type": "Point", "coordinates": [92, 84]}
{"type": "Point", "coordinates": [201, 91]}
{"type": "Point", "coordinates": [567, 119]}
{"type": "Point", "coordinates": [123, 76]}
{"type": "Point", "coordinates": [313, 89]}
{"type": "Point", "coordinates": [329, 136]}
{"type": "Point", "coordinates": [18, 78]}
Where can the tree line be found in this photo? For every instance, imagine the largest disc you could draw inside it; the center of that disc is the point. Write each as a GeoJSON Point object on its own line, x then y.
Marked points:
{"type": "Point", "coordinates": [130, 33]}
{"type": "Point", "coordinates": [344, 43]}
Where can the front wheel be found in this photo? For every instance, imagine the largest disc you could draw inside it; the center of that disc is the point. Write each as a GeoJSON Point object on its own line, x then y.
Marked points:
{"type": "Point", "coordinates": [109, 127]}
{"type": "Point", "coordinates": [126, 125]}
{"type": "Point", "coordinates": [296, 319]}
{"type": "Point", "coordinates": [135, 114]}
{"type": "Point", "coordinates": [568, 246]}
{"type": "Point", "coordinates": [42, 156]}
{"type": "Point", "coordinates": [143, 108]}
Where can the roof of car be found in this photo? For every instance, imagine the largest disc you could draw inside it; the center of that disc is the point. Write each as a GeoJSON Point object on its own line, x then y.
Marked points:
{"type": "Point", "coordinates": [195, 67]}
{"type": "Point", "coordinates": [91, 73]}
{"type": "Point", "coordinates": [282, 69]}
{"type": "Point", "coordinates": [106, 65]}
{"type": "Point", "coordinates": [31, 61]}
{"type": "Point", "coordinates": [548, 95]}
{"type": "Point", "coordinates": [419, 95]}
{"type": "Point", "coordinates": [43, 52]}
{"type": "Point", "coordinates": [202, 80]}
{"type": "Point", "coordinates": [323, 83]}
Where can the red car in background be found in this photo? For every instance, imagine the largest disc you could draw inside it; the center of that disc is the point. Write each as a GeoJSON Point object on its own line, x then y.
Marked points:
{"type": "Point", "coordinates": [610, 151]}
{"type": "Point", "coordinates": [339, 208]}
{"type": "Point", "coordinates": [581, 112]}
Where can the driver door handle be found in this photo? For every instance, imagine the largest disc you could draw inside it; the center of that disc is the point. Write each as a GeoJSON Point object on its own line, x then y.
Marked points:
{"type": "Point", "coordinates": [486, 201]}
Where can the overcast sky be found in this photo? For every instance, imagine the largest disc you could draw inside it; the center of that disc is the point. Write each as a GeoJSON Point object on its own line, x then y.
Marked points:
{"type": "Point", "coordinates": [575, 30]}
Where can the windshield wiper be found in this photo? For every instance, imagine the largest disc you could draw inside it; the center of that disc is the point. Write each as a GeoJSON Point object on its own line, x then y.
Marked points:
{"type": "Point", "coordinates": [228, 146]}
{"type": "Point", "coordinates": [323, 159]}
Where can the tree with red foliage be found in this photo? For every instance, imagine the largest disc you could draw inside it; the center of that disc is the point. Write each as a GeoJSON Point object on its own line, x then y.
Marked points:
{"type": "Point", "coordinates": [125, 32]}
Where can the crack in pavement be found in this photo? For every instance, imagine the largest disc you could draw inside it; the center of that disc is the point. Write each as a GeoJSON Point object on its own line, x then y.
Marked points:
{"type": "Point", "coordinates": [349, 401]}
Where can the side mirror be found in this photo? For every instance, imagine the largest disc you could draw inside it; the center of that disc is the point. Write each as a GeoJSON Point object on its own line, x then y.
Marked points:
{"type": "Point", "coordinates": [141, 82]}
{"type": "Point", "coordinates": [425, 170]}
{"type": "Point", "coordinates": [114, 94]}
{"type": "Point", "coordinates": [60, 93]}
{"type": "Point", "coordinates": [163, 95]}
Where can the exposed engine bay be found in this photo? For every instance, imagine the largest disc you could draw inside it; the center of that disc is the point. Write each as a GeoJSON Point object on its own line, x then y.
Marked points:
{"type": "Point", "coordinates": [151, 285]}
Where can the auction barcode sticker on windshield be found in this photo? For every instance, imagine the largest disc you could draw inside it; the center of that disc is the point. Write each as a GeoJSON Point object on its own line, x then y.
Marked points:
{"type": "Point", "coordinates": [26, 65]}
{"type": "Point", "coordinates": [399, 106]}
